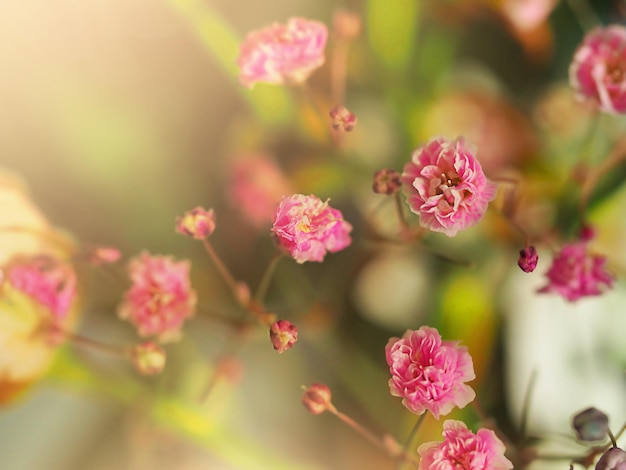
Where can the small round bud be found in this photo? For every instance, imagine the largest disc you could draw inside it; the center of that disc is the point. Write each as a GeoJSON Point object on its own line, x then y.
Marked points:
{"type": "Point", "coordinates": [342, 119]}
{"type": "Point", "coordinates": [317, 398]}
{"type": "Point", "coordinates": [528, 258]}
{"type": "Point", "coordinates": [591, 425]}
{"type": "Point", "coordinates": [613, 459]}
{"type": "Point", "coordinates": [283, 335]}
{"type": "Point", "coordinates": [148, 358]}
{"type": "Point", "coordinates": [386, 181]}
{"type": "Point", "coordinates": [346, 24]}
{"type": "Point", "coordinates": [104, 255]}
{"type": "Point", "coordinates": [198, 223]}
{"type": "Point", "coordinates": [587, 233]}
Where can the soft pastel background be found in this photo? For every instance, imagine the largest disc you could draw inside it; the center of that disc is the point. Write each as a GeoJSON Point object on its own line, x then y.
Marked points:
{"type": "Point", "coordinates": [120, 115]}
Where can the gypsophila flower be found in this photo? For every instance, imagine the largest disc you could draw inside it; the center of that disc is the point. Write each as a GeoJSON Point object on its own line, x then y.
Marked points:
{"type": "Point", "coordinates": [307, 228]}
{"type": "Point", "coordinates": [197, 223]}
{"type": "Point", "coordinates": [598, 70]}
{"type": "Point", "coordinates": [461, 449]}
{"type": "Point", "coordinates": [386, 181]}
{"type": "Point", "coordinates": [283, 335]}
{"type": "Point", "coordinates": [445, 185]}
{"type": "Point", "coordinates": [577, 273]}
{"type": "Point", "coordinates": [528, 259]}
{"type": "Point", "coordinates": [342, 119]}
{"type": "Point", "coordinates": [48, 280]}
{"type": "Point", "coordinates": [591, 424]}
{"type": "Point", "coordinates": [282, 53]}
{"type": "Point", "coordinates": [148, 358]}
{"type": "Point", "coordinates": [104, 255]}
{"type": "Point", "coordinates": [160, 298]}
{"type": "Point", "coordinates": [317, 398]}
{"type": "Point", "coordinates": [613, 459]}
{"type": "Point", "coordinates": [428, 373]}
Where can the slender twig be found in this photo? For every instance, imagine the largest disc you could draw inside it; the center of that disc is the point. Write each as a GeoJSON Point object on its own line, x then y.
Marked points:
{"type": "Point", "coordinates": [411, 436]}
{"type": "Point", "coordinates": [261, 290]}
{"type": "Point", "coordinates": [526, 403]}
{"type": "Point", "coordinates": [222, 270]}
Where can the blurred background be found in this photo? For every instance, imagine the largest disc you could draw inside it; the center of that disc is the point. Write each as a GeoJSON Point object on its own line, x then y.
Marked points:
{"type": "Point", "coordinates": [118, 116]}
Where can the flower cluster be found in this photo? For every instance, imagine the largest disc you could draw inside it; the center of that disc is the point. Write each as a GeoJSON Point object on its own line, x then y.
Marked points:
{"type": "Point", "coordinates": [428, 373]}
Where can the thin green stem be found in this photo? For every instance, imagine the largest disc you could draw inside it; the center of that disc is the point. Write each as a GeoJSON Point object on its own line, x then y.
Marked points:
{"type": "Point", "coordinates": [261, 290]}
{"type": "Point", "coordinates": [222, 270]}
{"type": "Point", "coordinates": [89, 343]}
{"type": "Point", "coordinates": [411, 436]}
{"type": "Point", "coordinates": [585, 15]}
{"type": "Point", "coordinates": [526, 403]}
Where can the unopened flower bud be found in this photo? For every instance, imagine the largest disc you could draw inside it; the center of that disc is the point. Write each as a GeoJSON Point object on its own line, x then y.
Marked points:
{"type": "Point", "coordinates": [316, 398]}
{"type": "Point", "coordinates": [587, 233]}
{"type": "Point", "coordinates": [148, 358]}
{"type": "Point", "coordinates": [342, 119]}
{"type": "Point", "coordinates": [591, 425]}
{"type": "Point", "coordinates": [346, 24]}
{"type": "Point", "coordinates": [386, 181]}
{"type": "Point", "coordinates": [613, 459]}
{"type": "Point", "coordinates": [528, 258]}
{"type": "Point", "coordinates": [104, 255]}
{"type": "Point", "coordinates": [284, 335]}
{"type": "Point", "coordinates": [198, 223]}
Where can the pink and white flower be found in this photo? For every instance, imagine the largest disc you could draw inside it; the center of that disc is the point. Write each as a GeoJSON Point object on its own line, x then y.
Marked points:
{"type": "Point", "coordinates": [307, 228]}
{"type": "Point", "coordinates": [48, 280]}
{"type": "Point", "coordinates": [445, 185]}
{"type": "Point", "coordinates": [282, 53]}
{"type": "Point", "coordinates": [598, 70]}
{"type": "Point", "coordinates": [463, 450]}
{"type": "Point", "coordinates": [429, 373]}
{"type": "Point", "coordinates": [160, 298]}
{"type": "Point", "coordinates": [577, 273]}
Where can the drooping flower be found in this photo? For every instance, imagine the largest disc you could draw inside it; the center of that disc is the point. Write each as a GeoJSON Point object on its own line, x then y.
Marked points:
{"type": "Point", "coordinates": [198, 223]}
{"type": "Point", "coordinates": [307, 228]}
{"type": "Point", "coordinates": [429, 373]}
{"type": "Point", "coordinates": [577, 273]}
{"type": "Point", "coordinates": [528, 259]}
{"type": "Point", "coordinates": [613, 459]}
{"type": "Point", "coordinates": [445, 185]}
{"type": "Point", "coordinates": [598, 70]}
{"type": "Point", "coordinates": [461, 449]}
{"type": "Point", "coordinates": [282, 53]}
{"type": "Point", "coordinates": [283, 335]}
{"type": "Point", "coordinates": [160, 298]}
{"type": "Point", "coordinates": [48, 280]}
{"type": "Point", "coordinates": [256, 185]}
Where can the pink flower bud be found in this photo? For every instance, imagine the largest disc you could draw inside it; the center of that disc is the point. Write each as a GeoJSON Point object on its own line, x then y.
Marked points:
{"type": "Point", "coordinates": [386, 181]}
{"type": "Point", "coordinates": [342, 119]}
{"type": "Point", "coordinates": [317, 398]}
{"type": "Point", "coordinates": [104, 255]}
{"type": "Point", "coordinates": [283, 335]}
{"type": "Point", "coordinates": [148, 358]}
{"type": "Point", "coordinates": [613, 459]}
{"type": "Point", "coordinates": [528, 258]}
{"type": "Point", "coordinates": [346, 24]}
{"type": "Point", "coordinates": [198, 223]}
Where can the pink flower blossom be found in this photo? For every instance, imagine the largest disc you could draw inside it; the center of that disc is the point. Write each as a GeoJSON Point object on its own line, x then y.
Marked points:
{"type": "Point", "coordinates": [528, 258]}
{"type": "Point", "coordinates": [256, 186]}
{"type": "Point", "coordinates": [282, 53]}
{"type": "Point", "coordinates": [317, 398]}
{"type": "Point", "coordinates": [48, 280]}
{"type": "Point", "coordinates": [576, 273]}
{"type": "Point", "coordinates": [104, 255]}
{"type": "Point", "coordinates": [307, 228]}
{"type": "Point", "coordinates": [283, 335]}
{"type": "Point", "coordinates": [160, 298]}
{"type": "Point", "coordinates": [445, 185]}
{"type": "Point", "coordinates": [598, 70]}
{"type": "Point", "coordinates": [461, 449]}
{"type": "Point", "coordinates": [429, 373]}
{"type": "Point", "coordinates": [613, 459]}
{"type": "Point", "coordinates": [198, 223]}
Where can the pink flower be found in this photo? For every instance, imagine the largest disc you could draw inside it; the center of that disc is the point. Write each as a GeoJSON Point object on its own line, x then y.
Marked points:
{"type": "Point", "coordinates": [307, 228]}
{"type": "Point", "coordinates": [282, 53]}
{"type": "Point", "coordinates": [613, 459]}
{"type": "Point", "coordinates": [576, 273]}
{"type": "Point", "coordinates": [256, 186]}
{"type": "Point", "coordinates": [198, 223]}
{"type": "Point", "coordinates": [429, 373]}
{"type": "Point", "coordinates": [445, 185]}
{"type": "Point", "coordinates": [160, 298]}
{"type": "Point", "coordinates": [461, 449]}
{"type": "Point", "coordinates": [317, 398]}
{"type": "Point", "coordinates": [283, 335]}
{"type": "Point", "coordinates": [48, 280]}
{"type": "Point", "coordinates": [148, 358]}
{"type": "Point", "coordinates": [598, 70]}
{"type": "Point", "coordinates": [528, 259]}
{"type": "Point", "coordinates": [104, 255]}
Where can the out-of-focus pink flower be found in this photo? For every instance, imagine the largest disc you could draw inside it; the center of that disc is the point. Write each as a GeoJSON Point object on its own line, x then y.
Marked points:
{"type": "Point", "coordinates": [104, 255]}
{"type": "Point", "coordinates": [148, 358]}
{"type": "Point", "coordinates": [160, 298]}
{"type": "Point", "coordinates": [283, 335]}
{"type": "Point", "coordinates": [445, 185]}
{"type": "Point", "coordinates": [256, 186]}
{"type": "Point", "coordinates": [429, 373]}
{"type": "Point", "coordinates": [48, 280]}
{"type": "Point", "coordinates": [386, 181]}
{"type": "Point", "coordinates": [528, 259]}
{"type": "Point", "coordinates": [307, 228]}
{"type": "Point", "coordinates": [576, 273]}
{"type": "Point", "coordinates": [526, 15]}
{"type": "Point", "coordinates": [197, 223]}
{"type": "Point", "coordinates": [462, 449]}
{"type": "Point", "coordinates": [317, 398]}
{"type": "Point", "coordinates": [598, 70]}
{"type": "Point", "coordinates": [282, 53]}
{"type": "Point", "coordinates": [342, 119]}
{"type": "Point", "coordinates": [613, 459]}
